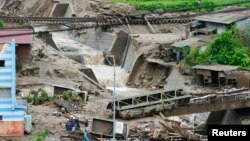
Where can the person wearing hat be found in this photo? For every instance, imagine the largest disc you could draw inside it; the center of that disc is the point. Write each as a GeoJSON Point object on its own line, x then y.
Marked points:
{"type": "Point", "coordinates": [72, 122]}
{"type": "Point", "coordinates": [68, 125]}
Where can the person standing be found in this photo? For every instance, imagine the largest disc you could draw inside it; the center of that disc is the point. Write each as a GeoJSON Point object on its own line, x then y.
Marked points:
{"type": "Point", "coordinates": [68, 125]}
{"type": "Point", "coordinates": [86, 125]}
{"type": "Point", "coordinates": [77, 123]}
{"type": "Point", "coordinates": [72, 121]}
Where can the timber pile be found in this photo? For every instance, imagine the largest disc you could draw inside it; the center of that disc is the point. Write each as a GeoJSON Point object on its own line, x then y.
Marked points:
{"type": "Point", "coordinates": [165, 131]}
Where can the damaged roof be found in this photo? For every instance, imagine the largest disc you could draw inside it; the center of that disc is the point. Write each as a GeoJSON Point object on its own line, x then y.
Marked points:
{"type": "Point", "coordinates": [197, 41]}
{"type": "Point", "coordinates": [20, 36]}
{"type": "Point", "coordinates": [226, 16]}
{"type": "Point", "coordinates": [224, 68]}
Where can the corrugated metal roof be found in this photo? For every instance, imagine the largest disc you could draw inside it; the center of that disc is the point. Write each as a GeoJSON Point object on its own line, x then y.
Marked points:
{"type": "Point", "coordinates": [224, 68]}
{"type": "Point", "coordinates": [19, 39]}
{"type": "Point", "coordinates": [226, 16]}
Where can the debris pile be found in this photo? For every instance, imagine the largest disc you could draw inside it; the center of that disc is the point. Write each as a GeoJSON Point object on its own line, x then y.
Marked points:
{"type": "Point", "coordinates": [161, 53]}
{"type": "Point", "coordinates": [164, 131]}
{"type": "Point", "coordinates": [151, 69]}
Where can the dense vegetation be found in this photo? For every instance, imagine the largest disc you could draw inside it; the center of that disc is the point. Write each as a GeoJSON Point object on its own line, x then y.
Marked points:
{"type": "Point", "coordinates": [2, 25]}
{"type": "Point", "coordinates": [179, 5]}
{"type": "Point", "coordinates": [44, 97]}
{"type": "Point", "coordinates": [229, 48]}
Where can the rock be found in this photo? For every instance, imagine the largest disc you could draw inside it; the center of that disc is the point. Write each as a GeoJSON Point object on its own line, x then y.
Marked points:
{"type": "Point", "coordinates": [138, 82]}
{"type": "Point", "coordinates": [149, 78]}
{"type": "Point", "coordinates": [63, 110]}
{"type": "Point", "coordinates": [105, 6]}
{"type": "Point", "coordinates": [142, 76]}
{"type": "Point", "coordinates": [128, 84]}
{"type": "Point", "coordinates": [145, 81]}
{"type": "Point", "coordinates": [154, 87]}
{"type": "Point", "coordinates": [160, 10]}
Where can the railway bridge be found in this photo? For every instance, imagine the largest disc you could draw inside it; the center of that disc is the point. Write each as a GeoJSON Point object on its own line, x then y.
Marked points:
{"type": "Point", "coordinates": [174, 103]}
{"type": "Point", "coordinates": [223, 102]}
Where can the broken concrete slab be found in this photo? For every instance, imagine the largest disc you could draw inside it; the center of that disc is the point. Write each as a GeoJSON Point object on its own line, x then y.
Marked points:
{"type": "Point", "coordinates": [142, 44]}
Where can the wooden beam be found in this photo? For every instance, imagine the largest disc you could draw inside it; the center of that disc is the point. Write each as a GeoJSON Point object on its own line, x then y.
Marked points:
{"type": "Point", "coordinates": [150, 27]}
{"type": "Point", "coordinates": [129, 28]}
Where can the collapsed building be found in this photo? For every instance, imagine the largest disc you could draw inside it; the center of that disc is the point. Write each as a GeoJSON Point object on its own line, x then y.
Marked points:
{"type": "Point", "coordinates": [222, 76]}
{"type": "Point", "coordinates": [200, 41]}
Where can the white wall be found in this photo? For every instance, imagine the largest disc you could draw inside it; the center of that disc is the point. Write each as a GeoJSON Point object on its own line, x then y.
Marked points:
{"type": "Point", "coordinates": [243, 23]}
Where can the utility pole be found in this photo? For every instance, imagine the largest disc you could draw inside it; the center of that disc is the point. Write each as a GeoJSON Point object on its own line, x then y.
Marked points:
{"type": "Point", "coordinates": [200, 6]}
{"type": "Point", "coordinates": [114, 122]}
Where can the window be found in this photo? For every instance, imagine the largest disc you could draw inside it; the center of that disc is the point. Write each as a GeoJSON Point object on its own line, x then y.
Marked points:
{"type": "Point", "coordinates": [2, 63]}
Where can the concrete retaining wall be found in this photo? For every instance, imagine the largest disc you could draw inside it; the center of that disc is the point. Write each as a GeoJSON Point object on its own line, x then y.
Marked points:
{"type": "Point", "coordinates": [62, 10]}
{"type": "Point", "coordinates": [141, 43]}
{"type": "Point", "coordinates": [97, 39]}
{"type": "Point", "coordinates": [119, 46]}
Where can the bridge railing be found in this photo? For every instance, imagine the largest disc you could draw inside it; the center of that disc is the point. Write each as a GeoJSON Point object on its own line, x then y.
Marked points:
{"type": "Point", "coordinates": [221, 98]}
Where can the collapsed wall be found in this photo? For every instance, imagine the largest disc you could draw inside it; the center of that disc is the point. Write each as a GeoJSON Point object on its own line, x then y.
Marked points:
{"type": "Point", "coordinates": [119, 46]}
{"type": "Point", "coordinates": [148, 75]}
{"type": "Point", "coordinates": [95, 38]}
{"type": "Point", "coordinates": [147, 60]}
{"type": "Point", "coordinates": [113, 43]}
{"type": "Point", "coordinates": [142, 43]}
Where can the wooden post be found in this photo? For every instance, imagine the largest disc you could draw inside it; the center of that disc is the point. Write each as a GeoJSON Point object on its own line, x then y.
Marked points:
{"type": "Point", "coordinates": [204, 80]}
{"type": "Point", "coordinates": [226, 81]}
{"type": "Point", "coordinates": [219, 79]}
{"type": "Point", "coordinates": [150, 27]}
{"type": "Point", "coordinates": [129, 28]}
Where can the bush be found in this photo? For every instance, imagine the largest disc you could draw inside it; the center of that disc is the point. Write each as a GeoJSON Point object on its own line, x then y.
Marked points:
{"type": "Point", "coordinates": [67, 94]}
{"type": "Point", "coordinates": [19, 66]}
{"type": "Point", "coordinates": [71, 95]}
{"type": "Point", "coordinates": [42, 135]}
{"type": "Point", "coordinates": [38, 100]}
{"type": "Point", "coordinates": [29, 99]}
{"type": "Point", "coordinates": [2, 24]}
{"type": "Point", "coordinates": [226, 49]}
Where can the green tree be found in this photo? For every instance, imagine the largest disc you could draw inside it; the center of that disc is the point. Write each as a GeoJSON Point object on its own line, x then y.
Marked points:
{"type": "Point", "coordinates": [228, 49]}
{"type": "Point", "coordinates": [2, 25]}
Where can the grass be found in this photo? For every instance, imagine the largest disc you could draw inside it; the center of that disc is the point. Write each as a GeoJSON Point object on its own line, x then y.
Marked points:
{"type": "Point", "coordinates": [179, 5]}
{"type": "Point", "coordinates": [41, 136]}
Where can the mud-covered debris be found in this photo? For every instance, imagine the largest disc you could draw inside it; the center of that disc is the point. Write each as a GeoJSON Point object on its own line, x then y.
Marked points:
{"type": "Point", "coordinates": [165, 131]}
{"type": "Point", "coordinates": [66, 104]}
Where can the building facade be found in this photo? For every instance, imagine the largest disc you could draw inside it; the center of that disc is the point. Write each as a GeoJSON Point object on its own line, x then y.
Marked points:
{"type": "Point", "coordinates": [23, 42]}
{"type": "Point", "coordinates": [12, 112]}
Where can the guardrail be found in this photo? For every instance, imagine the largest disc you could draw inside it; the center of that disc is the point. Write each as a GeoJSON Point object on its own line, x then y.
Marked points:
{"type": "Point", "coordinates": [220, 98]}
